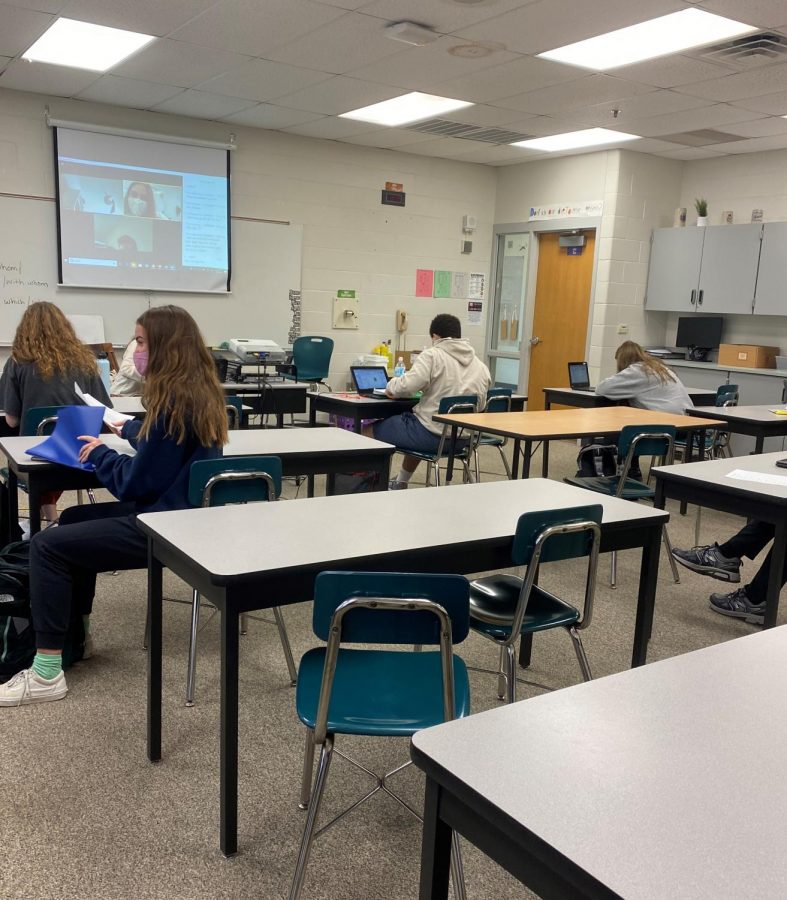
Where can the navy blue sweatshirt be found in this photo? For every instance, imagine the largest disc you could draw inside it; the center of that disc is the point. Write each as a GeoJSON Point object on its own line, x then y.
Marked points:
{"type": "Point", "coordinates": [157, 477]}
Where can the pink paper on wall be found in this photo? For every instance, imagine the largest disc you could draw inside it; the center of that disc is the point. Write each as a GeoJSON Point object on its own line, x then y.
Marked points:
{"type": "Point", "coordinates": [424, 282]}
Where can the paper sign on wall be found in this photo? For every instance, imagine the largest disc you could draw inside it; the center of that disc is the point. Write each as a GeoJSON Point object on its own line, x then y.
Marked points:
{"type": "Point", "coordinates": [459, 285]}
{"type": "Point", "coordinates": [442, 283]}
{"type": "Point", "coordinates": [476, 286]}
{"type": "Point", "coordinates": [567, 210]}
{"type": "Point", "coordinates": [424, 282]}
{"type": "Point", "coordinates": [475, 309]}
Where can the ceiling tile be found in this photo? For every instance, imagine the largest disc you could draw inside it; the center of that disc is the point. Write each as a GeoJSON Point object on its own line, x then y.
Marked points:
{"type": "Point", "coordinates": [759, 127]}
{"type": "Point", "coordinates": [548, 24]}
{"type": "Point", "coordinates": [40, 78]}
{"type": "Point", "coordinates": [330, 128]}
{"type": "Point", "coordinates": [762, 13]}
{"type": "Point", "coordinates": [485, 115]}
{"type": "Point", "coordinates": [337, 95]}
{"type": "Point", "coordinates": [774, 104]}
{"type": "Point", "coordinates": [147, 16]}
{"type": "Point", "coordinates": [561, 98]}
{"type": "Point", "coordinates": [711, 116]}
{"type": "Point", "coordinates": [765, 80]}
{"type": "Point", "coordinates": [201, 105]}
{"type": "Point", "coordinates": [48, 6]}
{"type": "Point", "coordinates": [19, 28]}
{"type": "Point", "coordinates": [670, 71]}
{"type": "Point", "coordinates": [255, 28]}
{"type": "Point", "coordinates": [436, 147]}
{"type": "Point", "coordinates": [491, 154]}
{"type": "Point", "coordinates": [423, 68]}
{"type": "Point", "coordinates": [340, 46]}
{"type": "Point", "coordinates": [266, 115]}
{"type": "Point", "coordinates": [651, 104]}
{"type": "Point", "coordinates": [442, 15]}
{"type": "Point", "coordinates": [690, 153]}
{"type": "Point", "coordinates": [754, 145]}
{"type": "Point", "coordinates": [506, 79]}
{"type": "Point", "coordinates": [173, 62]}
{"type": "Point", "coordinates": [343, 4]}
{"type": "Point", "coordinates": [127, 92]}
{"type": "Point", "coordinates": [389, 138]}
{"type": "Point", "coordinates": [260, 79]}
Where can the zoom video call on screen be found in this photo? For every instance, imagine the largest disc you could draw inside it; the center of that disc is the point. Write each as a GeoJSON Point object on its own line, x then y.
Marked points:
{"type": "Point", "coordinates": [141, 214]}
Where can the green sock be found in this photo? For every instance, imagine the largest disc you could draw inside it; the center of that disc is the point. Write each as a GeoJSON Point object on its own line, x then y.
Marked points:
{"type": "Point", "coordinates": [86, 624]}
{"type": "Point", "coordinates": [48, 665]}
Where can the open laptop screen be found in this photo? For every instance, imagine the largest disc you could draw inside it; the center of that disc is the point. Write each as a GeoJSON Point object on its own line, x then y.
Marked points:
{"type": "Point", "coordinates": [578, 375]}
{"type": "Point", "coordinates": [367, 378]}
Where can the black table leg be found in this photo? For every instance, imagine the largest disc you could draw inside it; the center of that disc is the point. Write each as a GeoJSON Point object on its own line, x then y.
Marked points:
{"type": "Point", "coordinates": [525, 650]}
{"type": "Point", "coordinates": [312, 412]}
{"type": "Point", "coordinates": [775, 574]}
{"type": "Point", "coordinates": [515, 459]}
{"type": "Point", "coordinates": [13, 500]}
{"type": "Point", "coordinates": [759, 442]}
{"type": "Point", "coordinates": [34, 502]}
{"type": "Point", "coordinates": [310, 486]}
{"type": "Point", "coordinates": [228, 813]}
{"type": "Point", "coordinates": [526, 459]}
{"type": "Point", "coordinates": [646, 596]}
{"type": "Point", "coordinates": [545, 459]}
{"type": "Point", "coordinates": [435, 848]}
{"type": "Point", "coordinates": [154, 655]}
{"type": "Point", "coordinates": [449, 468]}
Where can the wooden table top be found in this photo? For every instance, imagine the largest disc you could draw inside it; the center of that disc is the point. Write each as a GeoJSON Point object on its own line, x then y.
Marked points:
{"type": "Point", "coordinates": [566, 423]}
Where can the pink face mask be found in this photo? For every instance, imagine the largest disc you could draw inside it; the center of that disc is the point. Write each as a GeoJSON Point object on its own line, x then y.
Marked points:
{"type": "Point", "coordinates": [141, 361]}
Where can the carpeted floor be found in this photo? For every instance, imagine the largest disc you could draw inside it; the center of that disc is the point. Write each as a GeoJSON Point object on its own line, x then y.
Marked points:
{"type": "Point", "coordinates": [84, 815]}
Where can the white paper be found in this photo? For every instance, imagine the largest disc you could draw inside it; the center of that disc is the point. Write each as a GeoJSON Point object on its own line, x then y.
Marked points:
{"type": "Point", "coordinates": [111, 416]}
{"type": "Point", "coordinates": [762, 477]}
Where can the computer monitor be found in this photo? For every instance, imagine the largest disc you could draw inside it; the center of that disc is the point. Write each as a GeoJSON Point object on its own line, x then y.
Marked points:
{"type": "Point", "coordinates": [699, 334]}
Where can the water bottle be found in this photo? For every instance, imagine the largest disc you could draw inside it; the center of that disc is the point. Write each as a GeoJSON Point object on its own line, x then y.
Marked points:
{"type": "Point", "coordinates": [399, 369]}
{"type": "Point", "coordinates": [103, 370]}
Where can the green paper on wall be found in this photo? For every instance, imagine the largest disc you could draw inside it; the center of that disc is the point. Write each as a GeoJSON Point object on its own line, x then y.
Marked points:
{"type": "Point", "coordinates": [442, 283]}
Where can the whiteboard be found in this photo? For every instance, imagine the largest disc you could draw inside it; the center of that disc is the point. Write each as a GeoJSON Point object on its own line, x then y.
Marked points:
{"type": "Point", "coordinates": [266, 267]}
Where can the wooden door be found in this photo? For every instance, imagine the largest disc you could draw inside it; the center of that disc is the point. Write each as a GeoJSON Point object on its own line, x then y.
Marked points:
{"type": "Point", "coordinates": [560, 317]}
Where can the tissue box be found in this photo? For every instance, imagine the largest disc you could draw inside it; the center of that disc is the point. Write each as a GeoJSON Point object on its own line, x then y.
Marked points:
{"type": "Point", "coordinates": [751, 356]}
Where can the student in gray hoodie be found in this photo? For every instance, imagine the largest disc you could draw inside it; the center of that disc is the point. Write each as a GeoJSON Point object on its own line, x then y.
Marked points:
{"type": "Point", "coordinates": [448, 368]}
{"type": "Point", "coordinates": [645, 382]}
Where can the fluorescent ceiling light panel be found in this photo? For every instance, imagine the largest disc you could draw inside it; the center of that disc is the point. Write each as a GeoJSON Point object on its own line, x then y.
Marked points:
{"type": "Point", "coordinates": [659, 37]}
{"type": "Point", "coordinates": [85, 46]}
{"type": "Point", "coordinates": [405, 109]}
{"type": "Point", "coordinates": [571, 140]}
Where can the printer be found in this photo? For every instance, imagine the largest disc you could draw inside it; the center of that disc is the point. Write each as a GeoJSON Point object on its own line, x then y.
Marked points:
{"type": "Point", "coordinates": [256, 351]}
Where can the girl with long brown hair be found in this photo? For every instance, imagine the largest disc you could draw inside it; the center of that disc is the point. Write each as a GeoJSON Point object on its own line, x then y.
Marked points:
{"type": "Point", "coordinates": [186, 421]}
{"type": "Point", "coordinates": [645, 382]}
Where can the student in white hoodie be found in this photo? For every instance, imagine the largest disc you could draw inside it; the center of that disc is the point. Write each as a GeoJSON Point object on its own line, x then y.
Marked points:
{"type": "Point", "coordinates": [448, 368]}
{"type": "Point", "coordinates": [645, 382]}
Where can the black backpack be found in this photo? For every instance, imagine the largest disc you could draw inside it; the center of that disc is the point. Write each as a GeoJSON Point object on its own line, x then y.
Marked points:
{"type": "Point", "coordinates": [597, 460]}
{"type": "Point", "coordinates": [17, 638]}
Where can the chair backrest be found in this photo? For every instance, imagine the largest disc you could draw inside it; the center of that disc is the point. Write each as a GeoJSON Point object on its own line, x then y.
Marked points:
{"type": "Point", "coordinates": [646, 440]}
{"type": "Point", "coordinates": [461, 403]}
{"type": "Point", "coordinates": [727, 395]}
{"type": "Point", "coordinates": [36, 416]}
{"type": "Point", "coordinates": [236, 479]}
{"type": "Point", "coordinates": [382, 626]}
{"type": "Point", "coordinates": [234, 406]}
{"type": "Point", "coordinates": [565, 542]}
{"type": "Point", "coordinates": [311, 356]}
{"type": "Point", "coordinates": [498, 403]}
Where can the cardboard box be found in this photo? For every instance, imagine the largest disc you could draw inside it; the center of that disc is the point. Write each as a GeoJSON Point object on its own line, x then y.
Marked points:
{"type": "Point", "coordinates": [751, 356]}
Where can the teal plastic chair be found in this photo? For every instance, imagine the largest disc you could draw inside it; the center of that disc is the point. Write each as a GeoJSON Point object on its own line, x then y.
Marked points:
{"type": "Point", "coordinates": [656, 441]}
{"type": "Point", "coordinates": [234, 406]}
{"type": "Point", "coordinates": [378, 692]}
{"type": "Point", "coordinates": [497, 400]}
{"type": "Point", "coordinates": [217, 482]}
{"type": "Point", "coordinates": [311, 359]}
{"type": "Point", "coordinates": [503, 607]}
{"type": "Point", "coordinates": [717, 443]}
{"type": "Point", "coordinates": [463, 403]}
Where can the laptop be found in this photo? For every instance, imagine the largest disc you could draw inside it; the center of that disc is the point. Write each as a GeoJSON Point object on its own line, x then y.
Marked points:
{"type": "Point", "coordinates": [579, 377]}
{"type": "Point", "coordinates": [369, 381]}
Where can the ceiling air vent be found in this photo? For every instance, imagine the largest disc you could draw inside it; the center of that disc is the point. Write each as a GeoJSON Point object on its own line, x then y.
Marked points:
{"type": "Point", "coordinates": [704, 137]}
{"type": "Point", "coordinates": [749, 51]}
{"type": "Point", "coordinates": [445, 128]}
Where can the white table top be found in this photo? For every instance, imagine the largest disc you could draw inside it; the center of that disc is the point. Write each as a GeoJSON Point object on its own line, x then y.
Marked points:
{"type": "Point", "coordinates": [15, 448]}
{"type": "Point", "coordinates": [665, 781]}
{"type": "Point", "coordinates": [716, 471]}
{"type": "Point", "coordinates": [745, 413]}
{"type": "Point", "coordinates": [350, 398]}
{"type": "Point", "coordinates": [235, 541]}
{"type": "Point", "coordinates": [131, 406]}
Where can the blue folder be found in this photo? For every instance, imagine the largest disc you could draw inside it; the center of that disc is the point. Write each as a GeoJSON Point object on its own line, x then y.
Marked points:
{"type": "Point", "coordinates": [63, 445]}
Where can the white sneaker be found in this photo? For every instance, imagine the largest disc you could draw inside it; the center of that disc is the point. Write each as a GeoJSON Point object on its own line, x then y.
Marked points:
{"type": "Point", "coordinates": [27, 687]}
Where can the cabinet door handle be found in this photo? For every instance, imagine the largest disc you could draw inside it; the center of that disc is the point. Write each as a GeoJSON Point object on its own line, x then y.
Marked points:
{"type": "Point", "coordinates": [693, 298]}
{"type": "Point", "coordinates": [699, 297]}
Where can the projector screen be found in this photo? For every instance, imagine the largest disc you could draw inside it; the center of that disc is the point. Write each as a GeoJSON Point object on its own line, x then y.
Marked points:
{"type": "Point", "coordinates": [141, 214]}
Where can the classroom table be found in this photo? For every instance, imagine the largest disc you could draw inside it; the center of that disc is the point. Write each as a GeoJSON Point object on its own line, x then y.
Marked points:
{"type": "Point", "coordinates": [709, 484]}
{"type": "Point", "coordinates": [758, 422]}
{"type": "Point", "coordinates": [563, 424]}
{"type": "Point", "coordinates": [566, 396]}
{"type": "Point", "coordinates": [243, 558]}
{"type": "Point", "coordinates": [664, 781]}
{"type": "Point", "coordinates": [271, 397]}
{"type": "Point", "coordinates": [323, 451]}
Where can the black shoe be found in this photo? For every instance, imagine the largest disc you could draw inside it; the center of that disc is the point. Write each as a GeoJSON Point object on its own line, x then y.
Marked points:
{"type": "Point", "coordinates": [739, 606]}
{"type": "Point", "coordinates": [708, 560]}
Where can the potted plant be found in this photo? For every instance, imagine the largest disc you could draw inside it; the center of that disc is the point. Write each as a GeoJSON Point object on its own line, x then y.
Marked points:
{"type": "Point", "coordinates": [701, 205]}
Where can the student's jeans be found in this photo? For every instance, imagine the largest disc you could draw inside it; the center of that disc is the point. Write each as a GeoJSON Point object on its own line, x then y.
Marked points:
{"type": "Point", "coordinates": [750, 541]}
{"type": "Point", "coordinates": [64, 562]}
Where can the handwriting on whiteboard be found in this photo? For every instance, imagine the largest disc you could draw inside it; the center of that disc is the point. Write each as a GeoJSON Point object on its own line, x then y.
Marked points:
{"type": "Point", "coordinates": [16, 287]}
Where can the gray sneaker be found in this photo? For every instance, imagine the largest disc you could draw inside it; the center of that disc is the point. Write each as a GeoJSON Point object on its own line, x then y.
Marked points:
{"type": "Point", "coordinates": [738, 605]}
{"type": "Point", "coordinates": [394, 485]}
{"type": "Point", "coordinates": [708, 560]}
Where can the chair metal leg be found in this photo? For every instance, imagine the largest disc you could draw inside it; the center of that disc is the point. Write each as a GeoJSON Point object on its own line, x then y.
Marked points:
{"type": "Point", "coordinates": [308, 770]}
{"type": "Point", "coordinates": [673, 566]}
{"type": "Point", "coordinates": [506, 464]}
{"type": "Point", "coordinates": [192, 663]}
{"type": "Point", "coordinates": [285, 644]}
{"type": "Point", "coordinates": [697, 523]}
{"type": "Point", "coordinates": [502, 678]}
{"type": "Point", "coordinates": [613, 571]}
{"type": "Point", "coordinates": [90, 495]}
{"type": "Point", "coordinates": [457, 869]}
{"type": "Point", "coordinates": [326, 752]}
{"type": "Point", "coordinates": [244, 623]}
{"type": "Point", "coordinates": [510, 674]}
{"type": "Point", "coordinates": [582, 659]}
{"type": "Point", "coordinates": [437, 473]}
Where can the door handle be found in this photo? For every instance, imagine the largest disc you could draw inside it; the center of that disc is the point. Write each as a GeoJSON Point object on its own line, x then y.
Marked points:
{"type": "Point", "coordinates": [693, 298]}
{"type": "Point", "coordinates": [534, 341]}
{"type": "Point", "coordinates": [700, 295]}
